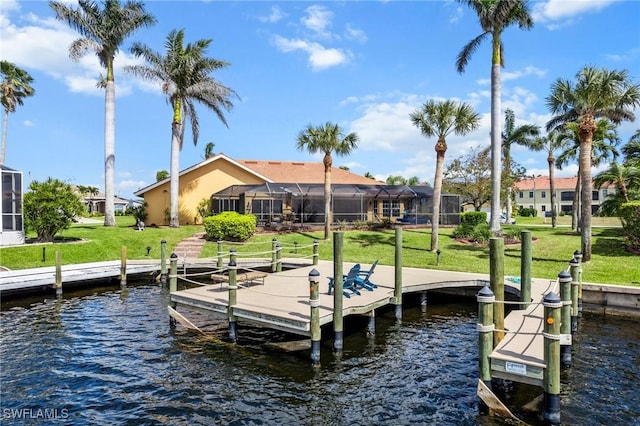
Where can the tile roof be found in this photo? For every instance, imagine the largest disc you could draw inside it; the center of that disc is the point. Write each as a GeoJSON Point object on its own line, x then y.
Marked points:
{"type": "Point", "coordinates": [302, 172]}
{"type": "Point", "coordinates": [542, 182]}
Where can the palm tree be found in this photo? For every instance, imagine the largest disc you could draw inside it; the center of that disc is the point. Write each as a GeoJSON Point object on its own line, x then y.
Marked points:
{"type": "Point", "coordinates": [603, 148]}
{"type": "Point", "coordinates": [596, 93]}
{"type": "Point", "coordinates": [102, 32]}
{"type": "Point", "coordinates": [185, 75]}
{"type": "Point", "coordinates": [369, 176]}
{"type": "Point", "coordinates": [550, 144]}
{"type": "Point", "coordinates": [208, 150]}
{"type": "Point", "coordinates": [494, 16]}
{"type": "Point", "coordinates": [15, 86]}
{"type": "Point", "coordinates": [521, 135]}
{"type": "Point", "coordinates": [328, 139]}
{"type": "Point", "coordinates": [440, 119]}
{"type": "Point", "coordinates": [631, 150]}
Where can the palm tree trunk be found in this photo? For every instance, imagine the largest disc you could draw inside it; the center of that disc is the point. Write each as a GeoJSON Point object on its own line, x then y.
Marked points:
{"type": "Point", "coordinates": [174, 183]}
{"type": "Point", "coordinates": [575, 205]}
{"type": "Point", "coordinates": [586, 129]}
{"type": "Point", "coordinates": [5, 125]}
{"type": "Point", "coordinates": [328, 217]}
{"type": "Point", "coordinates": [496, 145]}
{"type": "Point", "coordinates": [552, 191]}
{"type": "Point", "coordinates": [507, 172]}
{"type": "Point", "coordinates": [109, 152]}
{"type": "Point", "coordinates": [441, 148]}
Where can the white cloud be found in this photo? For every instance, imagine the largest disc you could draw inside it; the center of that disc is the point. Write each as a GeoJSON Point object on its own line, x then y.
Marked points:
{"type": "Point", "coordinates": [355, 34]}
{"type": "Point", "coordinates": [318, 20]}
{"type": "Point", "coordinates": [274, 16]}
{"type": "Point", "coordinates": [320, 57]}
{"type": "Point", "coordinates": [28, 123]}
{"type": "Point", "coordinates": [565, 10]}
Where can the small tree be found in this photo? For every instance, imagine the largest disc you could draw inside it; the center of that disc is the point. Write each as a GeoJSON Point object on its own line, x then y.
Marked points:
{"type": "Point", "coordinates": [49, 207]}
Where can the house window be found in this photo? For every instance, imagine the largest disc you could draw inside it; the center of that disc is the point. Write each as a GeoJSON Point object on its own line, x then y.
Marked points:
{"type": "Point", "coordinates": [605, 193]}
{"type": "Point", "coordinates": [390, 208]}
{"type": "Point", "coordinates": [543, 194]}
{"type": "Point", "coordinates": [530, 206]}
{"type": "Point", "coordinates": [595, 195]}
{"type": "Point", "coordinates": [521, 195]}
{"type": "Point", "coordinates": [544, 208]}
{"type": "Point", "coordinates": [566, 196]}
{"type": "Point", "coordinates": [11, 201]}
{"type": "Point", "coordinates": [530, 194]}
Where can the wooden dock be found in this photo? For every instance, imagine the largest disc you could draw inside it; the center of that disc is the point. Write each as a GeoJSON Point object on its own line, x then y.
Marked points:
{"type": "Point", "coordinates": [282, 301]}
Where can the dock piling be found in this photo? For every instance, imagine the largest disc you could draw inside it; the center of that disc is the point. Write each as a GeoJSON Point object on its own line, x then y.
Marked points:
{"type": "Point", "coordinates": [233, 297]}
{"type": "Point", "coordinates": [578, 256]}
{"type": "Point", "coordinates": [163, 262]}
{"type": "Point", "coordinates": [278, 257]}
{"type": "Point", "coordinates": [274, 243]}
{"type": "Point", "coordinates": [486, 327]}
{"type": "Point", "coordinates": [314, 303]}
{"type": "Point", "coordinates": [58, 284]}
{"type": "Point", "coordinates": [496, 277]}
{"type": "Point", "coordinates": [573, 270]}
{"type": "Point", "coordinates": [123, 266]}
{"type": "Point", "coordinates": [220, 253]}
{"type": "Point", "coordinates": [565, 324]}
{"type": "Point", "coordinates": [551, 376]}
{"type": "Point", "coordinates": [525, 268]}
{"type": "Point", "coordinates": [371, 324]}
{"type": "Point", "coordinates": [397, 293]}
{"type": "Point", "coordinates": [423, 301]}
{"type": "Point", "coordinates": [315, 252]}
{"type": "Point", "coordinates": [338, 298]}
{"type": "Point", "coordinates": [173, 283]}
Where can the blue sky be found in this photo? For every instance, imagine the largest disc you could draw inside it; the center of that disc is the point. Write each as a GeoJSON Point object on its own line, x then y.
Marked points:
{"type": "Point", "coordinates": [365, 65]}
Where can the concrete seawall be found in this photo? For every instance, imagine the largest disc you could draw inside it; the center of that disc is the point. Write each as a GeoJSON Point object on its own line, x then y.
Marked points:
{"type": "Point", "coordinates": [607, 299]}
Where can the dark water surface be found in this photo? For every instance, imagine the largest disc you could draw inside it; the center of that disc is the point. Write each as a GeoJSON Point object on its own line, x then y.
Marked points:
{"type": "Point", "coordinates": [110, 357]}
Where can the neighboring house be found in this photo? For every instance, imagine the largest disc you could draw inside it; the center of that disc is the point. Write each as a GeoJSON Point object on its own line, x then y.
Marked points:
{"type": "Point", "coordinates": [12, 227]}
{"type": "Point", "coordinates": [534, 193]}
{"type": "Point", "coordinates": [96, 203]}
{"type": "Point", "coordinates": [287, 191]}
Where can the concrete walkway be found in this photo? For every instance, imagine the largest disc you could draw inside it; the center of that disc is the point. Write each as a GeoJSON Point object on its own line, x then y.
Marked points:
{"type": "Point", "coordinates": [190, 247]}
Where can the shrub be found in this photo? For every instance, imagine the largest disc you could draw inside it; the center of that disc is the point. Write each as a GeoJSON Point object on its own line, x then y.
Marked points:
{"type": "Point", "coordinates": [513, 233]}
{"type": "Point", "coordinates": [464, 230]}
{"type": "Point", "coordinates": [139, 212]}
{"type": "Point", "coordinates": [481, 233]}
{"type": "Point", "coordinates": [230, 226]}
{"type": "Point", "coordinates": [473, 218]}
{"type": "Point", "coordinates": [630, 217]}
{"type": "Point", "coordinates": [50, 207]}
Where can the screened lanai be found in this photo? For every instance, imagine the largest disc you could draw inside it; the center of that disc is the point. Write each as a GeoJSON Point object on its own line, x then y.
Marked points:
{"type": "Point", "coordinates": [304, 203]}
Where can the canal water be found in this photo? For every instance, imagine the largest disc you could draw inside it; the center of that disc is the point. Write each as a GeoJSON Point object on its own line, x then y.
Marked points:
{"type": "Point", "coordinates": [109, 357]}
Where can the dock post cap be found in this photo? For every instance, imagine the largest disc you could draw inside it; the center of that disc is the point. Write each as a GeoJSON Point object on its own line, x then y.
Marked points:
{"type": "Point", "coordinates": [552, 300]}
{"type": "Point", "coordinates": [485, 292]}
{"type": "Point", "coordinates": [174, 255]}
{"type": "Point", "coordinates": [574, 262]}
{"type": "Point", "coordinates": [577, 254]}
{"type": "Point", "coordinates": [163, 241]}
{"type": "Point", "coordinates": [233, 250]}
{"type": "Point", "coordinates": [232, 264]}
{"type": "Point", "coordinates": [564, 276]}
{"type": "Point", "coordinates": [314, 276]}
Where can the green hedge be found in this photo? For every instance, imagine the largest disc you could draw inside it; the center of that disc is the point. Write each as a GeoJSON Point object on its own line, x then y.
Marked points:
{"type": "Point", "coordinates": [630, 217]}
{"type": "Point", "coordinates": [230, 226]}
{"type": "Point", "coordinates": [473, 218]}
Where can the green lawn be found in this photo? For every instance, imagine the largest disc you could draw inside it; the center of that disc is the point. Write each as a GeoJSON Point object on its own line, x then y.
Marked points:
{"type": "Point", "coordinates": [552, 249]}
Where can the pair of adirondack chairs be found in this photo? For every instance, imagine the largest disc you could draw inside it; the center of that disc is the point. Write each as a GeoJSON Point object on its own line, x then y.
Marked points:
{"type": "Point", "coordinates": [355, 280]}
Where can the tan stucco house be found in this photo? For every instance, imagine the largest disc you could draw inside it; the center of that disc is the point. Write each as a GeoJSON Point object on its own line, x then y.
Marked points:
{"type": "Point", "coordinates": [277, 190]}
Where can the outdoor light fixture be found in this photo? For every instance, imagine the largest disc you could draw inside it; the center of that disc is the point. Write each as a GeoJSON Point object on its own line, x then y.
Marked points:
{"type": "Point", "coordinates": [148, 250]}
{"type": "Point", "coordinates": [438, 257]}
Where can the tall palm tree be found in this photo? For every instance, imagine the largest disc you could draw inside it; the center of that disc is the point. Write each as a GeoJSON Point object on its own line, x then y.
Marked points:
{"type": "Point", "coordinates": [185, 75]}
{"type": "Point", "coordinates": [208, 150]}
{"type": "Point", "coordinates": [102, 31]}
{"type": "Point", "coordinates": [631, 150]}
{"type": "Point", "coordinates": [596, 93]}
{"type": "Point", "coordinates": [603, 148]}
{"type": "Point", "coordinates": [551, 144]}
{"type": "Point", "coordinates": [328, 139]}
{"type": "Point", "coordinates": [494, 16]}
{"type": "Point", "coordinates": [14, 87]}
{"type": "Point", "coordinates": [524, 135]}
{"type": "Point", "coordinates": [440, 119]}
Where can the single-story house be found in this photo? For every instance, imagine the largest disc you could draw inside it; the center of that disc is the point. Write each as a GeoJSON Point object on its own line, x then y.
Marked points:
{"type": "Point", "coordinates": [290, 191]}
{"type": "Point", "coordinates": [12, 228]}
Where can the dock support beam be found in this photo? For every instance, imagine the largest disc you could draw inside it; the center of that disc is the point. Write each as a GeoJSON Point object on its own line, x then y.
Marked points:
{"type": "Point", "coordinates": [496, 277]}
{"type": "Point", "coordinates": [565, 324]}
{"type": "Point", "coordinates": [123, 266]}
{"type": "Point", "coordinates": [485, 333]}
{"type": "Point", "coordinates": [314, 302]}
{"type": "Point", "coordinates": [220, 253]}
{"type": "Point", "coordinates": [551, 377]}
{"type": "Point", "coordinates": [371, 325]}
{"type": "Point", "coordinates": [58, 284]}
{"type": "Point", "coordinates": [233, 298]}
{"type": "Point", "coordinates": [525, 268]}
{"type": "Point", "coordinates": [423, 301]}
{"type": "Point", "coordinates": [274, 243]}
{"type": "Point", "coordinates": [163, 262]}
{"type": "Point", "coordinates": [397, 293]}
{"type": "Point", "coordinates": [173, 282]}
{"type": "Point", "coordinates": [573, 270]}
{"type": "Point", "coordinates": [315, 252]}
{"type": "Point", "coordinates": [338, 298]}
{"type": "Point", "coordinates": [278, 257]}
{"type": "Point", "coordinates": [578, 256]}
